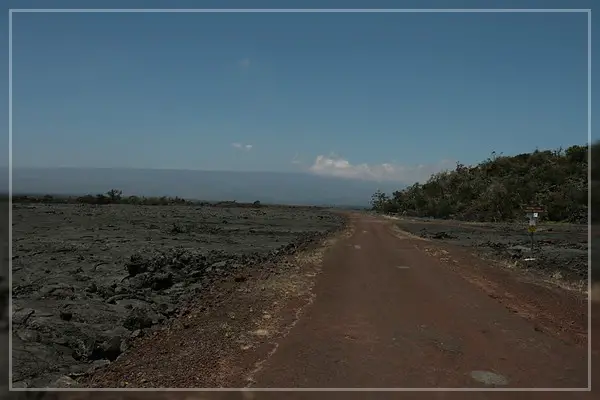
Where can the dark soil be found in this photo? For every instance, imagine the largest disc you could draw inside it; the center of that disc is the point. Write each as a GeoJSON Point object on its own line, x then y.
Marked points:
{"type": "Point", "coordinates": [88, 280]}
{"type": "Point", "coordinates": [559, 249]}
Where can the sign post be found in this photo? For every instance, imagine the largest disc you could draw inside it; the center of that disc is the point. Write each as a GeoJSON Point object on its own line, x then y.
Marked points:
{"type": "Point", "coordinates": [533, 213]}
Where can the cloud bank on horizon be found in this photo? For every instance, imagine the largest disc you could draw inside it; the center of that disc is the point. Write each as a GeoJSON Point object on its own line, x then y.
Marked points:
{"type": "Point", "coordinates": [336, 166]}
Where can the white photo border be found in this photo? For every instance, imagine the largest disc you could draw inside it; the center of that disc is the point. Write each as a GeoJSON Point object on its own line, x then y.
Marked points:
{"type": "Point", "coordinates": [298, 10]}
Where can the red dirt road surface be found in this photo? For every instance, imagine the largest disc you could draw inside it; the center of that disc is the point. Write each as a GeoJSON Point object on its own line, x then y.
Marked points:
{"type": "Point", "coordinates": [389, 315]}
{"type": "Point", "coordinates": [387, 311]}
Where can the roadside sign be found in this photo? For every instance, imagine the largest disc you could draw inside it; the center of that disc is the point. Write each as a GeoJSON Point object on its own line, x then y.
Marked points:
{"type": "Point", "coordinates": [534, 209]}
{"type": "Point", "coordinates": [533, 212]}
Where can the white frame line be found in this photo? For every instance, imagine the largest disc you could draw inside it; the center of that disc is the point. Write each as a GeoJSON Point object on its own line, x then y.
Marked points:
{"type": "Point", "coordinates": [295, 10]}
{"type": "Point", "coordinates": [300, 10]}
{"type": "Point", "coordinates": [10, 205]}
{"type": "Point", "coordinates": [589, 99]}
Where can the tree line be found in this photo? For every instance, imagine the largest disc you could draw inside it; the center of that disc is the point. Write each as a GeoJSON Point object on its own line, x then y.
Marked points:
{"type": "Point", "coordinates": [498, 188]}
{"type": "Point", "coordinates": [115, 196]}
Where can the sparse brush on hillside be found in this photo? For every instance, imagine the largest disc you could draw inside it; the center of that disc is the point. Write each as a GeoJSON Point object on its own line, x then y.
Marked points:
{"type": "Point", "coordinates": [499, 187]}
{"type": "Point", "coordinates": [113, 196]}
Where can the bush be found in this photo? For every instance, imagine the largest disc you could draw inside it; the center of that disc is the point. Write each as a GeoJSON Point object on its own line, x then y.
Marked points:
{"type": "Point", "coordinates": [499, 187]}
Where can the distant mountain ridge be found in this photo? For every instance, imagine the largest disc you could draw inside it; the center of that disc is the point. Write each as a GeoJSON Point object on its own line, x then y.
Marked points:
{"type": "Point", "coordinates": [267, 187]}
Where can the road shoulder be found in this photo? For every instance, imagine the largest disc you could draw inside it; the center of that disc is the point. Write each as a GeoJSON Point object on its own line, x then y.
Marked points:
{"type": "Point", "coordinates": [555, 310]}
{"type": "Point", "coordinates": [225, 337]}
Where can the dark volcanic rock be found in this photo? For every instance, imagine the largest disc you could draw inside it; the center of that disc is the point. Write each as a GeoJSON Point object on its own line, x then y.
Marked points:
{"type": "Point", "coordinates": [138, 318]}
{"type": "Point", "coordinates": [112, 348]}
{"type": "Point", "coordinates": [557, 248]}
{"type": "Point", "coordinates": [66, 315]}
{"type": "Point", "coordinates": [81, 272]}
{"type": "Point", "coordinates": [162, 281]}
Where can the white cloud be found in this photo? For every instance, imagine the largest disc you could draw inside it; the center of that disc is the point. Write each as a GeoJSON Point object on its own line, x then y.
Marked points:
{"type": "Point", "coordinates": [244, 63]}
{"type": "Point", "coordinates": [296, 160]}
{"type": "Point", "coordinates": [333, 165]}
{"type": "Point", "coordinates": [242, 146]}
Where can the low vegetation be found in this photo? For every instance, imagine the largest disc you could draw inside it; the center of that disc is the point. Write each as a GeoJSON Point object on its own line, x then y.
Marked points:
{"type": "Point", "coordinates": [115, 196]}
{"type": "Point", "coordinates": [498, 188]}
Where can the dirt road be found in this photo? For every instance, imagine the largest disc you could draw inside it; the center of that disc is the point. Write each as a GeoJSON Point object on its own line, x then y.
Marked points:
{"type": "Point", "coordinates": [389, 315]}
{"type": "Point", "coordinates": [385, 313]}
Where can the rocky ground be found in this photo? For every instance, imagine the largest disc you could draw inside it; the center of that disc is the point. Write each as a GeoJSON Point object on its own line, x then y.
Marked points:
{"type": "Point", "coordinates": [4, 297]}
{"type": "Point", "coordinates": [560, 250]}
{"type": "Point", "coordinates": [89, 280]}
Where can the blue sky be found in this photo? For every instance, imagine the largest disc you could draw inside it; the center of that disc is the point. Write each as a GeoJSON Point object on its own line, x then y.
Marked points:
{"type": "Point", "coordinates": [357, 95]}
